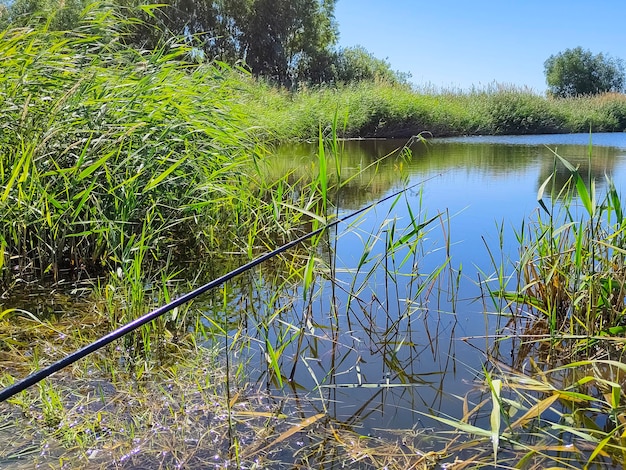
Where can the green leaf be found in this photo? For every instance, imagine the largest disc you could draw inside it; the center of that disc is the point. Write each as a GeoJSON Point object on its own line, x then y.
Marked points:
{"type": "Point", "coordinates": [154, 182]}
{"type": "Point", "coordinates": [149, 9]}
{"type": "Point", "coordinates": [93, 167]}
{"type": "Point", "coordinates": [460, 425]}
{"type": "Point", "coordinates": [308, 276]}
{"type": "Point", "coordinates": [541, 191]}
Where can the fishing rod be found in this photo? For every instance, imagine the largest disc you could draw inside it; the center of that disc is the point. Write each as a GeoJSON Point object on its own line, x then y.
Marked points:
{"type": "Point", "coordinates": [41, 374]}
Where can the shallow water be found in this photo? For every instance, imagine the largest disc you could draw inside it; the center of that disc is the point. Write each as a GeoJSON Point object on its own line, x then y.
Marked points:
{"type": "Point", "coordinates": [385, 346]}
{"type": "Point", "coordinates": [429, 347]}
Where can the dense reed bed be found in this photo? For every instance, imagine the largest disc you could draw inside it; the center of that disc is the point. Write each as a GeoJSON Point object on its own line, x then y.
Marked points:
{"type": "Point", "coordinates": [111, 154]}
{"type": "Point", "coordinates": [378, 109]}
{"type": "Point", "coordinates": [91, 131]}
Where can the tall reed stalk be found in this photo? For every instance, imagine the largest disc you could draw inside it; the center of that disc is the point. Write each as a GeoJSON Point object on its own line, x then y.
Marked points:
{"type": "Point", "coordinates": [571, 269]}
{"type": "Point", "coordinates": [107, 150]}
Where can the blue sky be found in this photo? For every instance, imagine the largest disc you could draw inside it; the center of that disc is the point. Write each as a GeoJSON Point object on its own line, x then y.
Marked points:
{"type": "Point", "coordinates": [457, 44]}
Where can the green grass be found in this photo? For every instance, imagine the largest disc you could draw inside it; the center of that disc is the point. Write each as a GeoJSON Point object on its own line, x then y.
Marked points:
{"type": "Point", "coordinates": [561, 403]}
{"type": "Point", "coordinates": [385, 110]}
{"type": "Point", "coordinates": [571, 267]}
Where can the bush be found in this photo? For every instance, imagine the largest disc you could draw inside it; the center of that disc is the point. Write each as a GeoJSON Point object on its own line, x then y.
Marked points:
{"type": "Point", "coordinates": [513, 112]}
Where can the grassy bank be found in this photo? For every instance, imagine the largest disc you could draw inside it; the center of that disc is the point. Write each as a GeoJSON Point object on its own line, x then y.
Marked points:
{"type": "Point", "coordinates": [384, 110]}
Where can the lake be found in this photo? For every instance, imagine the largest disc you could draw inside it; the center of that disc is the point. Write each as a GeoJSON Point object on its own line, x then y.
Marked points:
{"type": "Point", "coordinates": [428, 337]}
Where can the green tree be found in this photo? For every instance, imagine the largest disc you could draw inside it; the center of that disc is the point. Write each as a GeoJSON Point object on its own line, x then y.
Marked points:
{"type": "Point", "coordinates": [278, 39]}
{"type": "Point", "coordinates": [287, 41]}
{"type": "Point", "coordinates": [59, 14]}
{"type": "Point", "coordinates": [579, 72]}
{"type": "Point", "coordinates": [354, 64]}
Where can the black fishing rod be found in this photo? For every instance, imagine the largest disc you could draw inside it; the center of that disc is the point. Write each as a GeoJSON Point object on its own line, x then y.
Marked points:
{"type": "Point", "coordinates": [35, 377]}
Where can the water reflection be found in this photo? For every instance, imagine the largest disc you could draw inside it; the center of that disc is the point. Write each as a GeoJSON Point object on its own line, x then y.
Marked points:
{"type": "Point", "coordinates": [369, 327]}
{"type": "Point", "coordinates": [602, 163]}
{"type": "Point", "coordinates": [490, 159]}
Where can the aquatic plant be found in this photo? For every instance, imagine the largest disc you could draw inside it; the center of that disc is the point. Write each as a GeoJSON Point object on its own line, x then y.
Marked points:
{"type": "Point", "coordinates": [562, 322]}
{"type": "Point", "coordinates": [571, 267]}
{"type": "Point", "coordinates": [199, 361]}
{"type": "Point", "coordinates": [108, 151]}
{"type": "Point", "coordinates": [566, 417]}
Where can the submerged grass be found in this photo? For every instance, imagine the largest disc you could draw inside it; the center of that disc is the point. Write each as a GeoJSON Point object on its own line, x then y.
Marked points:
{"type": "Point", "coordinates": [203, 411]}
{"type": "Point", "coordinates": [566, 417]}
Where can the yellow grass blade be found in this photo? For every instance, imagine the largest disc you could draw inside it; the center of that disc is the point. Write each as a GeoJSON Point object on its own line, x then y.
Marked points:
{"type": "Point", "coordinates": [259, 414]}
{"type": "Point", "coordinates": [599, 450]}
{"type": "Point", "coordinates": [290, 432]}
{"type": "Point", "coordinates": [535, 411]}
{"type": "Point", "coordinates": [496, 387]}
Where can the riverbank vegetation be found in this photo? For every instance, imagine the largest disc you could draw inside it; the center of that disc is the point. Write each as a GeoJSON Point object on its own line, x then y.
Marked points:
{"type": "Point", "coordinates": [381, 110]}
{"type": "Point", "coordinates": [564, 388]}
{"type": "Point", "coordinates": [121, 163]}
{"type": "Point", "coordinates": [110, 151]}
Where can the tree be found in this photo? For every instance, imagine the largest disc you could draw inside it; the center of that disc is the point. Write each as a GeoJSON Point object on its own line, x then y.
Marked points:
{"type": "Point", "coordinates": [286, 41]}
{"type": "Point", "coordinates": [58, 14]}
{"type": "Point", "coordinates": [276, 39]}
{"type": "Point", "coordinates": [355, 64]}
{"type": "Point", "coordinates": [579, 72]}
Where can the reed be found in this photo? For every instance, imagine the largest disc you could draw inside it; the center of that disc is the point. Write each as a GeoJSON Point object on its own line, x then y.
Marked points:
{"type": "Point", "coordinates": [562, 313]}
{"type": "Point", "coordinates": [111, 152]}
{"type": "Point", "coordinates": [564, 417]}
{"type": "Point", "coordinates": [122, 162]}
{"type": "Point", "coordinates": [384, 110]}
{"type": "Point", "coordinates": [571, 268]}
{"type": "Point", "coordinates": [199, 361]}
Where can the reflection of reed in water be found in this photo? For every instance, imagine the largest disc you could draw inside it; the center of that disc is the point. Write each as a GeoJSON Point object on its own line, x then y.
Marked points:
{"type": "Point", "coordinates": [381, 166]}
{"type": "Point", "coordinates": [602, 162]}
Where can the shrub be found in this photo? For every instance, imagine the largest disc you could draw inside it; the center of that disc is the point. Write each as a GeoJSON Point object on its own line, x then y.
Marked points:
{"type": "Point", "coordinates": [521, 113]}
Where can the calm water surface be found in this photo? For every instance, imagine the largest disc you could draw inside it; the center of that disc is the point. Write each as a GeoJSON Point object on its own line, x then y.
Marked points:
{"type": "Point", "coordinates": [389, 350]}
{"type": "Point", "coordinates": [434, 344]}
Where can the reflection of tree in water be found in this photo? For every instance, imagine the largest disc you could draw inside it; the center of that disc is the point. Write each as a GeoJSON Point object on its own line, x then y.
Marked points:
{"type": "Point", "coordinates": [369, 169]}
{"type": "Point", "coordinates": [602, 163]}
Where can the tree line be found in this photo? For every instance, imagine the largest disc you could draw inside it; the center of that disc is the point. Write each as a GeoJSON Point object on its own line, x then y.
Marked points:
{"type": "Point", "coordinates": [289, 42]}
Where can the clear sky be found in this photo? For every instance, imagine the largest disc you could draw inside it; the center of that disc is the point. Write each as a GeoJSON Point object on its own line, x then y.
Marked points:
{"type": "Point", "coordinates": [460, 43]}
